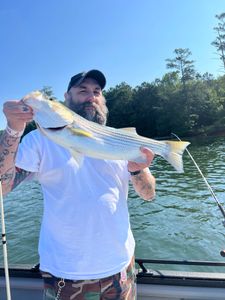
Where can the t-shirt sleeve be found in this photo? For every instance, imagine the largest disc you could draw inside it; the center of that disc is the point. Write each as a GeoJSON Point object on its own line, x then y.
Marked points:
{"type": "Point", "coordinates": [28, 155]}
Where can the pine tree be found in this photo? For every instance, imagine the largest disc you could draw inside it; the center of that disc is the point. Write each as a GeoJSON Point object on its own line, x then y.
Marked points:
{"type": "Point", "coordinates": [183, 66]}
{"type": "Point", "coordinates": [219, 42]}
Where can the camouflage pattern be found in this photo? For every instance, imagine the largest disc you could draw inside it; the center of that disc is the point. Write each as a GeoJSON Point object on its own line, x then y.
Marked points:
{"type": "Point", "coordinates": [120, 286]}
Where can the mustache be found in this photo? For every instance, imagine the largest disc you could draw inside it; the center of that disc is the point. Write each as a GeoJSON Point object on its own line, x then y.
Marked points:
{"type": "Point", "coordinates": [82, 106]}
{"type": "Point", "coordinates": [100, 115]}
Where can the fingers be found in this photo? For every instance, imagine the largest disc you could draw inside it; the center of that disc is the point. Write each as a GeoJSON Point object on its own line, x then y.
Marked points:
{"type": "Point", "coordinates": [133, 166]}
{"type": "Point", "coordinates": [16, 106]}
{"type": "Point", "coordinates": [148, 153]}
{"type": "Point", "coordinates": [17, 114]}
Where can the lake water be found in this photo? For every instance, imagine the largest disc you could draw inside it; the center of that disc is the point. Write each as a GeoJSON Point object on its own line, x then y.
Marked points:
{"type": "Point", "coordinates": [183, 222]}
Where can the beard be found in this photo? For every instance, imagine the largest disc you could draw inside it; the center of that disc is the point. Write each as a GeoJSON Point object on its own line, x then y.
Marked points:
{"type": "Point", "coordinates": [91, 111]}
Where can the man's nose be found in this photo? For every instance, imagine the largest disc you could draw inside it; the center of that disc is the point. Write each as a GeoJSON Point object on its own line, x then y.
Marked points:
{"type": "Point", "coordinates": [91, 97]}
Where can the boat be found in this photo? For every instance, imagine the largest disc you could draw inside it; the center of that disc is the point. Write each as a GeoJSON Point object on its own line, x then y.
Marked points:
{"type": "Point", "coordinates": [157, 279]}
{"type": "Point", "coordinates": [160, 284]}
{"type": "Point", "coordinates": [153, 282]}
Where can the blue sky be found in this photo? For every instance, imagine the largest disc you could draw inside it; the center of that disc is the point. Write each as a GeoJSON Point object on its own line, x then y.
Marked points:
{"type": "Point", "coordinates": [45, 42]}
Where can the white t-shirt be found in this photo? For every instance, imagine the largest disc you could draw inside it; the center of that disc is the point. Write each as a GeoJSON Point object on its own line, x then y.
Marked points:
{"type": "Point", "coordinates": [85, 231]}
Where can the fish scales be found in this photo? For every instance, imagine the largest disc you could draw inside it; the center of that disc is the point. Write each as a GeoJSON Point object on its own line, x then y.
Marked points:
{"type": "Point", "coordinates": [123, 137]}
{"type": "Point", "coordinates": [79, 135]}
{"type": "Point", "coordinates": [120, 138]}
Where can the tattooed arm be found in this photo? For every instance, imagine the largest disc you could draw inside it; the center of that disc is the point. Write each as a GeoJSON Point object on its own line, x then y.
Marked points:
{"type": "Point", "coordinates": [17, 114]}
{"type": "Point", "coordinates": [143, 182]}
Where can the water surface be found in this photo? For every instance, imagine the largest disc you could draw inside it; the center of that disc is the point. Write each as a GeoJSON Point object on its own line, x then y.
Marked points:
{"type": "Point", "coordinates": [183, 222]}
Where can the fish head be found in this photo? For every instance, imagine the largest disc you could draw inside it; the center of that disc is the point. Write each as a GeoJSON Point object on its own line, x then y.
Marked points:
{"type": "Point", "coordinates": [34, 100]}
{"type": "Point", "coordinates": [48, 113]}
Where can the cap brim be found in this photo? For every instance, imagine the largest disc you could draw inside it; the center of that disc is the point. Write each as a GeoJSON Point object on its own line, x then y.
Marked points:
{"type": "Point", "coordinates": [79, 78]}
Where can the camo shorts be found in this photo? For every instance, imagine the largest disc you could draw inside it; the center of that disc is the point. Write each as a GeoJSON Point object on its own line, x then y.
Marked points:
{"type": "Point", "coordinates": [120, 286]}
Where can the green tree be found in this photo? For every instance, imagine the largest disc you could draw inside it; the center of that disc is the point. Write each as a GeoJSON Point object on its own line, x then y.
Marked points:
{"type": "Point", "coordinates": [170, 112]}
{"type": "Point", "coordinates": [182, 64]}
{"type": "Point", "coordinates": [204, 104]}
{"type": "Point", "coordinates": [219, 42]}
{"type": "Point", "coordinates": [145, 99]}
{"type": "Point", "coordinates": [180, 104]}
{"type": "Point", "coordinates": [219, 88]}
{"type": "Point", "coordinates": [119, 102]}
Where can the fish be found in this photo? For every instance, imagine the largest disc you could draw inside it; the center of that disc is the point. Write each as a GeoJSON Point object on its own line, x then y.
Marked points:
{"type": "Point", "coordinates": [86, 138]}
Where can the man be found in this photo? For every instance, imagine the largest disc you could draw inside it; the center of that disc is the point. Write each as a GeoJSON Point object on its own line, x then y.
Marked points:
{"type": "Point", "coordinates": [86, 246]}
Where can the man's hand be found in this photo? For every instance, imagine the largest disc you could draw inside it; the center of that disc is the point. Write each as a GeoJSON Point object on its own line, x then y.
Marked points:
{"type": "Point", "coordinates": [133, 166]}
{"type": "Point", "coordinates": [17, 114]}
{"type": "Point", "coordinates": [143, 182]}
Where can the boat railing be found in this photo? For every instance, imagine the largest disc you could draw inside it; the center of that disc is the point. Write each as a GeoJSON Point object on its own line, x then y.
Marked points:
{"type": "Point", "coordinates": [153, 271]}
{"type": "Point", "coordinates": [142, 261]}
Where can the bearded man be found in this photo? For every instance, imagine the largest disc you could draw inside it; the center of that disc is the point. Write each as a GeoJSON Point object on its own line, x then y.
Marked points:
{"type": "Point", "coordinates": [86, 245]}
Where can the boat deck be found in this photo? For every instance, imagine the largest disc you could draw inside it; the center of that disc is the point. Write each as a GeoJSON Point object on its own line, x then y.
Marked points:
{"type": "Point", "coordinates": [157, 284]}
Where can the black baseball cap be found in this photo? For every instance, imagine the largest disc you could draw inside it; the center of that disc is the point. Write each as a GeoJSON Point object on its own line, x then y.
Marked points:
{"type": "Point", "coordinates": [95, 74]}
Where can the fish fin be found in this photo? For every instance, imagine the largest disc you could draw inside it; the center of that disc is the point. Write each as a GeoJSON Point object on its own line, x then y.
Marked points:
{"type": "Point", "coordinates": [80, 132]}
{"type": "Point", "coordinates": [79, 157]}
{"type": "Point", "coordinates": [174, 155]}
{"type": "Point", "coordinates": [130, 129]}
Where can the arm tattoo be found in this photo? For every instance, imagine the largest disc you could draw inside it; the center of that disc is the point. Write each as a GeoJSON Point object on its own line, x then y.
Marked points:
{"type": "Point", "coordinates": [7, 176]}
{"type": "Point", "coordinates": [144, 186]}
{"type": "Point", "coordinates": [7, 140]}
{"type": "Point", "coordinates": [10, 175]}
{"type": "Point", "coordinates": [20, 176]}
{"type": "Point", "coordinates": [5, 153]}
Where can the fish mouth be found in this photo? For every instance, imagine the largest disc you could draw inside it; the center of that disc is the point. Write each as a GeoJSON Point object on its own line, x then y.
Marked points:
{"type": "Point", "coordinates": [51, 128]}
{"type": "Point", "coordinates": [56, 128]}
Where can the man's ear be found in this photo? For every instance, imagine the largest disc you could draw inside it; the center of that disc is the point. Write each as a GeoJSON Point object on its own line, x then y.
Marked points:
{"type": "Point", "coordinates": [66, 96]}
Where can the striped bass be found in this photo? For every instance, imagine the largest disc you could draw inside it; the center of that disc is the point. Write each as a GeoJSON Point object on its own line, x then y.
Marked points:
{"type": "Point", "coordinates": [83, 137]}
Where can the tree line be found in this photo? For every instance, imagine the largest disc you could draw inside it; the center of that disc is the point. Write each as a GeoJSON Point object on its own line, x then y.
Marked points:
{"type": "Point", "coordinates": [185, 106]}
{"type": "Point", "coordinates": [183, 101]}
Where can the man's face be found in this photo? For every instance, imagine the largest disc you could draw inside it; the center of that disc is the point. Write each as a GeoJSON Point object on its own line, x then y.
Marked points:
{"type": "Point", "coordinates": [87, 101]}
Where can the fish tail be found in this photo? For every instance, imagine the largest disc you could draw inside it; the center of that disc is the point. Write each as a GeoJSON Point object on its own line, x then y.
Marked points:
{"type": "Point", "coordinates": [174, 155]}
